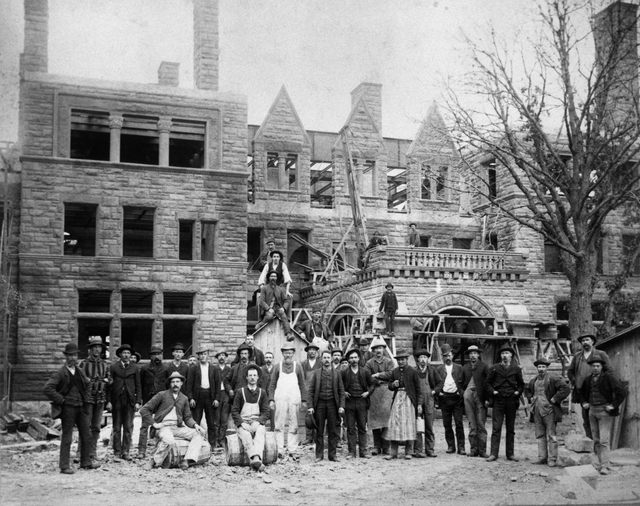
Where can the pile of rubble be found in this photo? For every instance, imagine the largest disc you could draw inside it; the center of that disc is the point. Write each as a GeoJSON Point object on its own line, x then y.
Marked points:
{"type": "Point", "coordinates": [22, 433]}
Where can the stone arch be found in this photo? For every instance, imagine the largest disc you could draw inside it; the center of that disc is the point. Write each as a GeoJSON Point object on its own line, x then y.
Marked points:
{"type": "Point", "coordinates": [346, 297]}
{"type": "Point", "coordinates": [456, 301]}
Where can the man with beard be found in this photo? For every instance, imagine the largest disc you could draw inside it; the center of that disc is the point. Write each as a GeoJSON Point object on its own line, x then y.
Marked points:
{"type": "Point", "coordinates": [278, 266]}
{"type": "Point", "coordinates": [97, 370]}
{"type": "Point", "coordinates": [311, 364]}
{"type": "Point", "coordinates": [602, 394]}
{"type": "Point", "coordinates": [221, 414]}
{"type": "Point", "coordinates": [381, 397]}
{"type": "Point", "coordinates": [287, 391]}
{"type": "Point", "coordinates": [503, 386]}
{"type": "Point", "coordinates": [237, 377]}
{"type": "Point", "coordinates": [68, 390]}
{"type": "Point", "coordinates": [316, 331]}
{"type": "Point", "coordinates": [474, 374]}
{"type": "Point", "coordinates": [169, 414]}
{"type": "Point", "coordinates": [579, 371]}
{"type": "Point", "coordinates": [450, 398]}
{"type": "Point", "coordinates": [547, 391]}
{"type": "Point", "coordinates": [203, 392]}
{"type": "Point", "coordinates": [153, 378]}
{"type": "Point", "coordinates": [326, 395]}
{"type": "Point", "coordinates": [275, 304]}
{"type": "Point", "coordinates": [255, 355]}
{"type": "Point", "coordinates": [358, 386]}
{"type": "Point", "coordinates": [428, 381]}
{"type": "Point", "coordinates": [125, 397]}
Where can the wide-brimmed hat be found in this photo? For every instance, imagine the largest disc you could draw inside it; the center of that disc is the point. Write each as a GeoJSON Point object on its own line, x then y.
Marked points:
{"type": "Point", "coordinates": [123, 348]}
{"type": "Point", "coordinates": [310, 422]}
{"type": "Point", "coordinates": [422, 352]}
{"type": "Point", "coordinates": [473, 347]}
{"type": "Point", "coordinates": [445, 348]}
{"type": "Point", "coordinates": [595, 360]}
{"type": "Point", "coordinates": [507, 347]}
{"type": "Point", "coordinates": [278, 252]}
{"type": "Point", "coordinates": [156, 348]}
{"type": "Point", "coordinates": [315, 309]}
{"type": "Point", "coordinates": [70, 349]}
{"type": "Point", "coordinates": [178, 346]}
{"type": "Point", "coordinates": [389, 284]}
{"type": "Point", "coordinates": [402, 353]}
{"type": "Point", "coordinates": [337, 350]}
{"type": "Point", "coordinates": [95, 341]}
{"type": "Point", "coordinates": [137, 355]}
{"type": "Point", "coordinates": [221, 352]}
{"type": "Point", "coordinates": [542, 361]}
{"type": "Point", "coordinates": [174, 375]}
{"type": "Point", "coordinates": [288, 347]}
{"type": "Point", "coordinates": [353, 350]}
{"type": "Point", "coordinates": [376, 342]}
{"type": "Point", "coordinates": [593, 338]}
{"type": "Point", "coordinates": [413, 223]}
{"type": "Point", "coordinates": [363, 340]}
{"type": "Point", "coordinates": [271, 239]}
{"type": "Point", "coordinates": [202, 349]}
{"type": "Point", "coordinates": [253, 366]}
{"type": "Point", "coordinates": [278, 276]}
{"type": "Point", "coordinates": [311, 345]}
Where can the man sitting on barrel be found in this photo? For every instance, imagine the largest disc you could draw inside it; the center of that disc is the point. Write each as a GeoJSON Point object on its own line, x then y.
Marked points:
{"type": "Point", "coordinates": [250, 413]}
{"type": "Point", "coordinates": [169, 414]}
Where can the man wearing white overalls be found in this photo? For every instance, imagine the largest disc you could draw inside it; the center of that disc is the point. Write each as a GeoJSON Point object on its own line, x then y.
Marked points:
{"type": "Point", "coordinates": [250, 412]}
{"type": "Point", "coordinates": [286, 393]}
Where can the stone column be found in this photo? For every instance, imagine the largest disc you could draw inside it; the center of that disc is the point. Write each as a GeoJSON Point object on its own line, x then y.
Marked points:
{"type": "Point", "coordinates": [115, 128]}
{"type": "Point", "coordinates": [283, 179]}
{"type": "Point", "coordinates": [164, 127]}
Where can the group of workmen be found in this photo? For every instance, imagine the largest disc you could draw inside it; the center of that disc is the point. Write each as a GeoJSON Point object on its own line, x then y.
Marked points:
{"type": "Point", "coordinates": [363, 387]}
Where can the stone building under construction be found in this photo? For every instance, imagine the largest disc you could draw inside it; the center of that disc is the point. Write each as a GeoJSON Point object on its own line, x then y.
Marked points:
{"type": "Point", "coordinates": [139, 212]}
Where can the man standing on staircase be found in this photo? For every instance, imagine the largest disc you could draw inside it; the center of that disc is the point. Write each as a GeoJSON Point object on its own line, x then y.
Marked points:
{"type": "Point", "coordinates": [275, 304]}
{"type": "Point", "coordinates": [287, 392]}
{"type": "Point", "coordinates": [389, 307]}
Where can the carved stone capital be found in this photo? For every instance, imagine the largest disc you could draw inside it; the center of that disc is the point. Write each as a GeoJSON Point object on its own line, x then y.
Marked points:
{"type": "Point", "coordinates": [164, 126]}
{"type": "Point", "coordinates": [115, 121]}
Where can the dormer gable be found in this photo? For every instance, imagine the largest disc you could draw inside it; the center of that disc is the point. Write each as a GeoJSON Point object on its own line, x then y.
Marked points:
{"type": "Point", "coordinates": [364, 137]}
{"type": "Point", "coordinates": [433, 137]}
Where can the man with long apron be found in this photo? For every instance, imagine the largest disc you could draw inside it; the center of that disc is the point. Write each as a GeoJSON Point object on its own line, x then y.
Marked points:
{"type": "Point", "coordinates": [405, 384]}
{"type": "Point", "coordinates": [286, 393]}
{"type": "Point", "coordinates": [381, 397]}
{"type": "Point", "coordinates": [250, 412]}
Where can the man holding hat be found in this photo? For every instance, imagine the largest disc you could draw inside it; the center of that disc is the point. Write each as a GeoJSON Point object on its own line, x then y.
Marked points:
{"type": "Point", "coordinates": [153, 378]}
{"type": "Point", "coordinates": [601, 394]}
{"type": "Point", "coordinates": [68, 390]}
{"type": "Point", "coordinates": [125, 398]}
{"type": "Point", "coordinates": [382, 397]}
{"type": "Point", "coordinates": [326, 395]}
{"type": "Point", "coordinates": [474, 374]}
{"type": "Point", "coordinates": [316, 331]}
{"type": "Point", "coordinates": [428, 381]}
{"type": "Point", "coordinates": [450, 394]}
{"type": "Point", "coordinates": [389, 306]}
{"type": "Point", "coordinates": [274, 302]}
{"type": "Point", "coordinates": [287, 391]}
{"type": "Point", "coordinates": [358, 386]}
{"type": "Point", "coordinates": [546, 391]}
{"type": "Point", "coordinates": [250, 413]}
{"type": "Point", "coordinates": [309, 366]}
{"type": "Point", "coordinates": [503, 387]}
{"type": "Point", "coordinates": [169, 414]}
{"type": "Point", "coordinates": [177, 365]}
{"type": "Point", "coordinates": [222, 412]}
{"type": "Point", "coordinates": [579, 371]}
{"type": "Point", "coordinates": [97, 370]}
{"type": "Point", "coordinates": [203, 392]}
{"type": "Point", "coordinates": [407, 404]}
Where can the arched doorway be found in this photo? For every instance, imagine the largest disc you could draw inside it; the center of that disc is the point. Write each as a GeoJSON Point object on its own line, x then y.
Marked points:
{"type": "Point", "coordinates": [341, 323]}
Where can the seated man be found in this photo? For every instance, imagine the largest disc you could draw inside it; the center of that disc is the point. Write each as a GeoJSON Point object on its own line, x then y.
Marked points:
{"type": "Point", "coordinates": [250, 412]}
{"type": "Point", "coordinates": [275, 303]}
{"type": "Point", "coordinates": [168, 412]}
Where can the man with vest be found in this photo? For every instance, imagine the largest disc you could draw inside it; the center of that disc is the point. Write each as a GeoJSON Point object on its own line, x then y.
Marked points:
{"type": "Point", "coordinates": [287, 391]}
{"type": "Point", "coordinates": [474, 374]}
{"type": "Point", "coordinates": [222, 412]}
{"type": "Point", "coordinates": [153, 378]}
{"type": "Point", "coordinates": [275, 303]}
{"type": "Point", "coordinates": [450, 398]}
{"type": "Point", "coordinates": [250, 413]}
{"type": "Point", "coordinates": [203, 392]}
{"type": "Point", "coordinates": [358, 386]}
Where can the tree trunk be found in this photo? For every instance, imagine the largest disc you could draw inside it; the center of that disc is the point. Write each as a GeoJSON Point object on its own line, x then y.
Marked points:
{"type": "Point", "coordinates": [581, 279]}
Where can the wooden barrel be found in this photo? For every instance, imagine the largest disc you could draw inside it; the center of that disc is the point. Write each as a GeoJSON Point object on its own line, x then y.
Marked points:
{"type": "Point", "coordinates": [177, 453]}
{"type": "Point", "coordinates": [236, 456]}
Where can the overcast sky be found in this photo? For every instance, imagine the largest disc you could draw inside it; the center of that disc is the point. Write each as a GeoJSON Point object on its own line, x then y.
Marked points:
{"type": "Point", "coordinates": [319, 49]}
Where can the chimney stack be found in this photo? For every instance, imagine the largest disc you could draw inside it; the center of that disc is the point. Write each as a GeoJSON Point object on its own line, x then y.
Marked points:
{"type": "Point", "coordinates": [372, 95]}
{"type": "Point", "coordinates": [205, 44]}
{"type": "Point", "coordinates": [168, 74]}
{"type": "Point", "coordinates": [35, 57]}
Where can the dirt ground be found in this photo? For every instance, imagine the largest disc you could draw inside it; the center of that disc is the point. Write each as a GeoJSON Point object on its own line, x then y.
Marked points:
{"type": "Point", "coordinates": [33, 478]}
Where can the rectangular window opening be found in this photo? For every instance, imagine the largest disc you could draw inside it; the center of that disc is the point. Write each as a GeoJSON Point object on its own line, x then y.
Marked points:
{"type": "Point", "coordinates": [462, 243]}
{"type": "Point", "coordinates": [138, 334]}
{"type": "Point", "coordinates": [321, 184]}
{"type": "Point", "coordinates": [396, 188]}
{"type": "Point", "coordinates": [186, 143]}
{"type": "Point", "coordinates": [441, 183]}
{"type": "Point", "coordinates": [80, 229]}
{"type": "Point", "coordinates": [207, 241]}
{"type": "Point", "coordinates": [292, 171]}
{"type": "Point", "coordinates": [137, 301]}
{"type": "Point", "coordinates": [90, 137]}
{"type": "Point", "coordinates": [425, 240]}
{"type": "Point", "coordinates": [137, 237]}
{"type": "Point", "coordinates": [492, 182]}
{"type": "Point", "coordinates": [425, 190]}
{"type": "Point", "coordinates": [552, 258]}
{"type": "Point", "coordinates": [629, 244]}
{"type": "Point", "coordinates": [94, 301]}
{"type": "Point", "coordinates": [296, 253]}
{"type": "Point", "coordinates": [254, 248]}
{"type": "Point", "coordinates": [139, 140]}
{"type": "Point", "coordinates": [177, 331]}
{"type": "Point", "coordinates": [178, 303]}
{"type": "Point", "coordinates": [185, 248]}
{"type": "Point", "coordinates": [273, 171]}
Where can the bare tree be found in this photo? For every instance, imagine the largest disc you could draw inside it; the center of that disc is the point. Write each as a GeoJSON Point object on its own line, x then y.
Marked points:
{"type": "Point", "coordinates": [560, 118]}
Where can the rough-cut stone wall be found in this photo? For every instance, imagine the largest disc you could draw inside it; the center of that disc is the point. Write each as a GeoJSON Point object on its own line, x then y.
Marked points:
{"type": "Point", "coordinates": [35, 57]}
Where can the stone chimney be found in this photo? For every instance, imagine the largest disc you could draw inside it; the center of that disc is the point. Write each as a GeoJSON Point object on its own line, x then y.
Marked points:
{"type": "Point", "coordinates": [168, 74]}
{"type": "Point", "coordinates": [372, 94]}
{"type": "Point", "coordinates": [35, 57]}
{"type": "Point", "coordinates": [616, 41]}
{"type": "Point", "coordinates": [205, 44]}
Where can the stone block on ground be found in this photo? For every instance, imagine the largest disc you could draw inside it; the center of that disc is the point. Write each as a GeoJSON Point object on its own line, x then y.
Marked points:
{"type": "Point", "coordinates": [567, 458]}
{"type": "Point", "coordinates": [578, 443]}
{"type": "Point", "coordinates": [581, 471]}
{"type": "Point", "coordinates": [613, 496]}
{"type": "Point", "coordinates": [574, 487]}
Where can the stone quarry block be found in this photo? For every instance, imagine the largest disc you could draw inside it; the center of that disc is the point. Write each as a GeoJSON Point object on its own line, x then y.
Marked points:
{"type": "Point", "coordinates": [578, 443]}
{"type": "Point", "coordinates": [581, 471]}
{"type": "Point", "coordinates": [568, 458]}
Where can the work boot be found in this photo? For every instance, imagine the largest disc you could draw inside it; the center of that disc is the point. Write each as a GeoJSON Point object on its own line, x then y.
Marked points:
{"type": "Point", "coordinates": [539, 462]}
{"type": "Point", "coordinates": [184, 465]}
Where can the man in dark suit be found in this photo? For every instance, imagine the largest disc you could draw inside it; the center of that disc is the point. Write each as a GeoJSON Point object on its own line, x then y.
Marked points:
{"type": "Point", "coordinates": [203, 391]}
{"type": "Point", "coordinates": [326, 395]}
{"type": "Point", "coordinates": [358, 386]}
{"type": "Point", "coordinates": [125, 398]}
{"type": "Point", "coordinates": [221, 414]}
{"type": "Point", "coordinates": [311, 364]}
{"type": "Point", "coordinates": [389, 307]}
{"type": "Point", "coordinates": [474, 374]}
{"type": "Point", "coordinates": [177, 364]}
{"type": "Point", "coordinates": [449, 392]}
{"type": "Point", "coordinates": [275, 303]}
{"type": "Point", "coordinates": [316, 331]}
{"type": "Point", "coordinates": [255, 355]}
{"type": "Point", "coordinates": [153, 378]}
{"type": "Point", "coordinates": [68, 390]}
